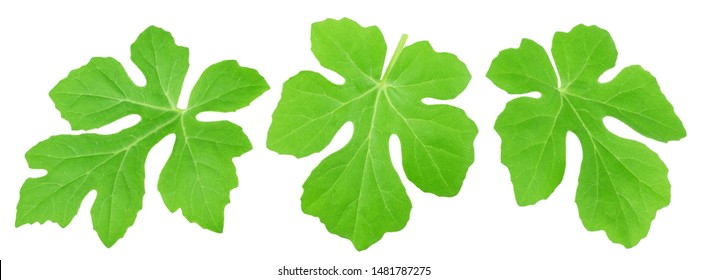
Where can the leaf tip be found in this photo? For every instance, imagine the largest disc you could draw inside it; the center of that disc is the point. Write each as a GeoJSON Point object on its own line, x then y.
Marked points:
{"type": "Point", "coordinates": [361, 246]}
{"type": "Point", "coordinates": [154, 29]}
{"type": "Point", "coordinates": [18, 222]}
{"type": "Point", "coordinates": [681, 132]}
{"type": "Point", "coordinates": [109, 242]}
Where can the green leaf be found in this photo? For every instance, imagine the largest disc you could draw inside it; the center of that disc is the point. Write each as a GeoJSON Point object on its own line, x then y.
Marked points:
{"type": "Point", "coordinates": [622, 183]}
{"type": "Point", "coordinates": [356, 192]}
{"type": "Point", "coordinates": [199, 174]}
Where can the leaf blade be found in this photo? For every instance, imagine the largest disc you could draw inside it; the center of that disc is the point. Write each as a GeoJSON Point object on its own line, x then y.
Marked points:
{"type": "Point", "coordinates": [113, 165]}
{"type": "Point", "coordinates": [616, 174]}
{"type": "Point", "coordinates": [311, 112]}
{"type": "Point", "coordinates": [347, 48]}
{"type": "Point", "coordinates": [355, 192]}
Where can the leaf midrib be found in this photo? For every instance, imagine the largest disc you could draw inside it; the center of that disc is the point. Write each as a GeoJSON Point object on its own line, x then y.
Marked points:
{"type": "Point", "coordinates": [381, 89]}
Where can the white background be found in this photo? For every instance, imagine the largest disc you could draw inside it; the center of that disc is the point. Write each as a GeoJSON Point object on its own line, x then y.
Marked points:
{"type": "Point", "coordinates": [480, 234]}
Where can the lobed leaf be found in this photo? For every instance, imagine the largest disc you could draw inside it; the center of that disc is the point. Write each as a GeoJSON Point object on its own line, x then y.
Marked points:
{"type": "Point", "coordinates": [622, 183]}
{"type": "Point", "coordinates": [199, 174]}
{"type": "Point", "coordinates": [355, 191]}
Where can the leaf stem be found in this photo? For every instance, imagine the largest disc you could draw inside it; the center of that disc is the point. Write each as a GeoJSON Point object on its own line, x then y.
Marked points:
{"type": "Point", "coordinates": [396, 54]}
